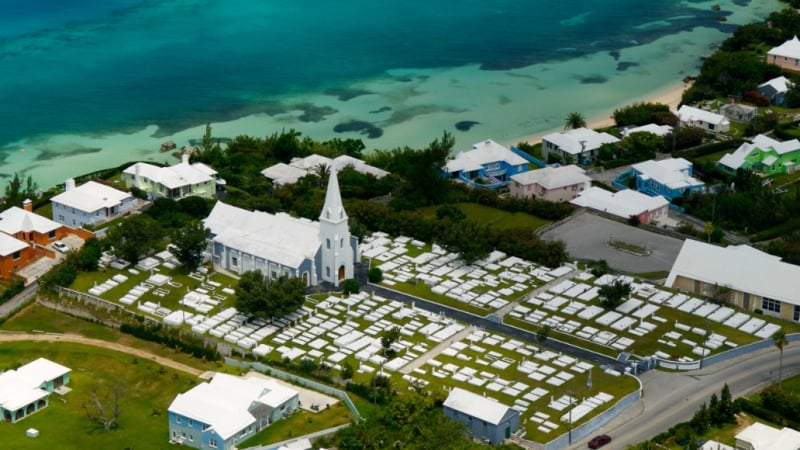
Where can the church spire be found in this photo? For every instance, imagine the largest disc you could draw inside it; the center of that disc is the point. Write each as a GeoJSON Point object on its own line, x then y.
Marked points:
{"type": "Point", "coordinates": [333, 209]}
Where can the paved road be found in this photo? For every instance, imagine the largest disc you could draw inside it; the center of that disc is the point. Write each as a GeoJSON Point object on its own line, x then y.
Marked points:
{"type": "Point", "coordinates": [8, 307]}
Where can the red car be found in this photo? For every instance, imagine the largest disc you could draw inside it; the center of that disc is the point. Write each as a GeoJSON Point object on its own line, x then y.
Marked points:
{"type": "Point", "coordinates": [599, 441]}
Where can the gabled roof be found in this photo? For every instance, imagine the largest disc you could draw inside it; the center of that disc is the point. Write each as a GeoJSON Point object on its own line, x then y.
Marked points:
{"type": "Point", "coordinates": [173, 177]}
{"type": "Point", "coordinates": [765, 437]}
{"type": "Point", "coordinates": [283, 173]}
{"type": "Point", "coordinates": [789, 49]}
{"type": "Point", "coordinates": [482, 153]}
{"type": "Point", "coordinates": [739, 267]}
{"type": "Point", "coordinates": [669, 172]}
{"type": "Point", "coordinates": [15, 219]}
{"type": "Point", "coordinates": [21, 387]}
{"type": "Point", "coordinates": [691, 114]}
{"type": "Point", "coordinates": [225, 401]}
{"type": "Point", "coordinates": [91, 196]}
{"type": "Point", "coordinates": [779, 85]}
{"type": "Point", "coordinates": [658, 130]}
{"type": "Point", "coordinates": [553, 177]}
{"type": "Point", "coordinates": [736, 159]}
{"type": "Point", "coordinates": [579, 140]}
{"type": "Point", "coordinates": [478, 406]}
{"type": "Point", "coordinates": [41, 370]}
{"type": "Point", "coordinates": [9, 245]}
{"type": "Point", "coordinates": [276, 237]}
{"type": "Point", "coordinates": [624, 203]}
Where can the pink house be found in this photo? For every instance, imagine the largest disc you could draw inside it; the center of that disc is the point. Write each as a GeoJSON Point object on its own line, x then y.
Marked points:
{"type": "Point", "coordinates": [555, 184]}
{"type": "Point", "coordinates": [786, 55]}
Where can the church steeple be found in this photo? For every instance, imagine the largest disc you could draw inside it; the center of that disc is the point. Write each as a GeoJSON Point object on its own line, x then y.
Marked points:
{"type": "Point", "coordinates": [333, 209]}
{"type": "Point", "coordinates": [339, 250]}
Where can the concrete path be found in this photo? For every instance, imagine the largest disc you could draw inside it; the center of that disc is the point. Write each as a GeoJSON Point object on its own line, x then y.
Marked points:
{"type": "Point", "coordinates": [434, 352]}
{"type": "Point", "coordinates": [543, 288]}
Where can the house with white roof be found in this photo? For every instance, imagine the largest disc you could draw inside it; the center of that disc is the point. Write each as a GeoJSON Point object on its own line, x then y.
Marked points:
{"type": "Point", "coordinates": [738, 112]}
{"type": "Point", "coordinates": [487, 164]}
{"type": "Point", "coordinates": [705, 120]}
{"type": "Point", "coordinates": [759, 436]}
{"type": "Point", "coordinates": [776, 89]}
{"type": "Point", "coordinates": [91, 203]}
{"type": "Point", "coordinates": [227, 410]}
{"type": "Point", "coordinates": [626, 203]}
{"type": "Point", "coordinates": [279, 244]}
{"type": "Point", "coordinates": [555, 184]}
{"type": "Point", "coordinates": [281, 174]}
{"type": "Point", "coordinates": [27, 389]}
{"type": "Point", "coordinates": [765, 155]}
{"type": "Point", "coordinates": [658, 130]}
{"type": "Point", "coordinates": [579, 144]}
{"type": "Point", "coordinates": [14, 255]}
{"type": "Point", "coordinates": [671, 177]}
{"type": "Point", "coordinates": [485, 417]}
{"type": "Point", "coordinates": [755, 279]}
{"type": "Point", "coordinates": [786, 55]}
{"type": "Point", "coordinates": [175, 182]}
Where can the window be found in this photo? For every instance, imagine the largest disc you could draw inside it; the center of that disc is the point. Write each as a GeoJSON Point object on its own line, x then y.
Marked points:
{"type": "Point", "coordinates": [205, 427]}
{"type": "Point", "coordinates": [328, 243]}
{"type": "Point", "coordinates": [341, 243]}
{"type": "Point", "coordinates": [796, 315]}
{"type": "Point", "coordinates": [191, 422]}
{"type": "Point", "coordinates": [768, 304]}
{"type": "Point", "coordinates": [234, 261]}
{"type": "Point", "coordinates": [274, 274]}
{"type": "Point", "coordinates": [52, 234]}
{"type": "Point", "coordinates": [16, 255]}
{"type": "Point", "coordinates": [178, 419]}
{"type": "Point", "coordinates": [327, 271]}
{"type": "Point", "coordinates": [212, 443]}
{"type": "Point", "coordinates": [191, 438]}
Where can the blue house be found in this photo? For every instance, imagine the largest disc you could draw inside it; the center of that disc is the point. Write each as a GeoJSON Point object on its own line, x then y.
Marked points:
{"type": "Point", "coordinates": [91, 203]}
{"type": "Point", "coordinates": [670, 177]}
{"type": "Point", "coordinates": [488, 164]}
{"type": "Point", "coordinates": [485, 418]}
{"type": "Point", "coordinates": [228, 410]}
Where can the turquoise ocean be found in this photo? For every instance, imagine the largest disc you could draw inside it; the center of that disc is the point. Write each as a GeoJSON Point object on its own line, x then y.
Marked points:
{"type": "Point", "coordinates": [88, 84]}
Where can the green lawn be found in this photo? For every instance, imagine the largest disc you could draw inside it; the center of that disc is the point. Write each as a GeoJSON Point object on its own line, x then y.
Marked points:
{"type": "Point", "coordinates": [299, 424]}
{"type": "Point", "coordinates": [493, 217]}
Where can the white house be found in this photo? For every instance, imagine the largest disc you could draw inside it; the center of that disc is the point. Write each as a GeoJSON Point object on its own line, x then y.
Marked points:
{"type": "Point", "coordinates": [90, 203]}
{"type": "Point", "coordinates": [700, 118]}
{"type": "Point", "coordinates": [282, 173]}
{"type": "Point", "coordinates": [27, 389]}
{"type": "Point", "coordinates": [489, 161]}
{"type": "Point", "coordinates": [485, 417]}
{"type": "Point", "coordinates": [555, 184]}
{"type": "Point", "coordinates": [580, 144]}
{"type": "Point", "coordinates": [658, 130]}
{"type": "Point", "coordinates": [776, 89]}
{"type": "Point", "coordinates": [754, 279]}
{"type": "Point", "coordinates": [278, 244]}
{"type": "Point", "coordinates": [625, 203]}
{"type": "Point", "coordinates": [759, 436]}
{"type": "Point", "coordinates": [175, 182]}
{"type": "Point", "coordinates": [228, 410]}
{"type": "Point", "coordinates": [786, 55]}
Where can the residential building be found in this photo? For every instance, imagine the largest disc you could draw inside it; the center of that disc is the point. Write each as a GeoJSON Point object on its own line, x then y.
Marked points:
{"type": "Point", "coordinates": [27, 389]}
{"type": "Point", "coordinates": [555, 184]}
{"type": "Point", "coordinates": [227, 410]}
{"type": "Point", "coordinates": [281, 174]}
{"type": "Point", "coordinates": [760, 437]}
{"type": "Point", "coordinates": [487, 164]}
{"type": "Point", "coordinates": [738, 112]}
{"type": "Point", "coordinates": [705, 120]}
{"type": "Point", "coordinates": [765, 155]}
{"type": "Point", "coordinates": [776, 89]}
{"type": "Point", "coordinates": [752, 279]}
{"type": "Point", "coordinates": [278, 244]}
{"type": "Point", "coordinates": [175, 182]}
{"type": "Point", "coordinates": [485, 418]}
{"type": "Point", "coordinates": [580, 145]}
{"type": "Point", "coordinates": [658, 130]}
{"type": "Point", "coordinates": [91, 203]}
{"type": "Point", "coordinates": [670, 177]}
{"type": "Point", "coordinates": [27, 226]}
{"type": "Point", "coordinates": [786, 55]}
{"type": "Point", "coordinates": [14, 255]}
{"type": "Point", "coordinates": [626, 203]}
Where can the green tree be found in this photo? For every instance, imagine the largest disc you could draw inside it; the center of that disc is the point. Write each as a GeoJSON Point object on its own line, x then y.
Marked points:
{"type": "Point", "coordinates": [347, 370]}
{"type": "Point", "coordinates": [611, 295]}
{"type": "Point", "coordinates": [574, 120]}
{"type": "Point", "coordinates": [350, 286]}
{"type": "Point", "coordinates": [388, 338]}
{"type": "Point", "coordinates": [134, 237]}
{"type": "Point", "coordinates": [89, 256]}
{"type": "Point", "coordinates": [190, 242]}
{"type": "Point", "coordinates": [599, 268]}
{"type": "Point", "coordinates": [15, 193]}
{"type": "Point", "coordinates": [780, 341]}
{"type": "Point", "coordinates": [726, 411]}
{"type": "Point", "coordinates": [375, 275]}
{"type": "Point", "coordinates": [263, 297]}
{"type": "Point", "coordinates": [543, 333]}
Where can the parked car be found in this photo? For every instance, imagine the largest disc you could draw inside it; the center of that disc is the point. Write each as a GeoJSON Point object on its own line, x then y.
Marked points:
{"type": "Point", "coordinates": [60, 246]}
{"type": "Point", "coordinates": [599, 441]}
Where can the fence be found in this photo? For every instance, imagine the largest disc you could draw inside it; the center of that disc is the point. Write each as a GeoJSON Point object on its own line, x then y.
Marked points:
{"type": "Point", "coordinates": [621, 181]}
{"type": "Point", "coordinates": [724, 356]}
{"type": "Point", "coordinates": [536, 161]}
{"type": "Point", "coordinates": [300, 381]}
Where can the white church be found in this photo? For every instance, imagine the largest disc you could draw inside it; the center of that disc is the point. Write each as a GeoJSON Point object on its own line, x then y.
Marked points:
{"type": "Point", "coordinates": [278, 244]}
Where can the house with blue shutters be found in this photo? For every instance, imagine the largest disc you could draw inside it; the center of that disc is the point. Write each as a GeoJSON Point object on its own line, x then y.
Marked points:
{"type": "Point", "coordinates": [488, 164]}
{"type": "Point", "coordinates": [670, 177]}
{"type": "Point", "coordinates": [485, 418]}
{"type": "Point", "coordinates": [221, 413]}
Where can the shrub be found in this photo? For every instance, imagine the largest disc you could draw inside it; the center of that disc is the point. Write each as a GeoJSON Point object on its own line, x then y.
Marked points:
{"type": "Point", "coordinates": [375, 275]}
{"type": "Point", "coordinates": [350, 286]}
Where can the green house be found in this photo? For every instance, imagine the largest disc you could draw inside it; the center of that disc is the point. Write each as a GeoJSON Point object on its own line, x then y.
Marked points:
{"type": "Point", "coordinates": [764, 155]}
{"type": "Point", "coordinates": [27, 389]}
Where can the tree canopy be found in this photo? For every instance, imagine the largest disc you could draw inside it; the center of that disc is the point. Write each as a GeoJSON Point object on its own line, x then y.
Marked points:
{"type": "Point", "coordinates": [189, 242]}
{"type": "Point", "coordinates": [264, 297]}
{"type": "Point", "coordinates": [611, 295]}
{"type": "Point", "coordinates": [134, 237]}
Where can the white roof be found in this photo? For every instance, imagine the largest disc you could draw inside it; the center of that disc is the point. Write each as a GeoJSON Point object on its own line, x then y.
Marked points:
{"type": "Point", "coordinates": [780, 84]}
{"type": "Point", "coordinates": [740, 267]}
{"type": "Point", "coordinates": [658, 130]}
{"type": "Point", "coordinates": [173, 177]}
{"type": "Point", "coordinates": [21, 387]}
{"type": "Point", "coordinates": [765, 437]}
{"type": "Point", "coordinates": [579, 140]}
{"type": "Point", "coordinates": [736, 159]}
{"type": "Point", "coordinates": [789, 49]}
{"type": "Point", "coordinates": [690, 114]}
{"type": "Point", "coordinates": [668, 172]}
{"type": "Point", "coordinates": [275, 237]}
{"type": "Point", "coordinates": [91, 196]}
{"type": "Point", "coordinates": [15, 219]}
{"type": "Point", "coordinates": [478, 406]}
{"type": "Point", "coordinates": [340, 162]}
{"type": "Point", "coordinates": [624, 203]}
{"type": "Point", "coordinates": [300, 444]}
{"type": "Point", "coordinates": [553, 177]}
{"type": "Point", "coordinates": [9, 245]}
{"type": "Point", "coordinates": [482, 153]}
{"type": "Point", "coordinates": [283, 173]}
{"type": "Point", "coordinates": [223, 402]}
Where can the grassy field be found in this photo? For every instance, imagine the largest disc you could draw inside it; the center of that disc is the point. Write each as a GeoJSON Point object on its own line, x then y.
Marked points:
{"type": "Point", "coordinates": [493, 217]}
{"type": "Point", "coordinates": [301, 423]}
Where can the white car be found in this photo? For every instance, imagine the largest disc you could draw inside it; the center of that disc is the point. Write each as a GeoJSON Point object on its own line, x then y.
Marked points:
{"type": "Point", "coordinates": [60, 246]}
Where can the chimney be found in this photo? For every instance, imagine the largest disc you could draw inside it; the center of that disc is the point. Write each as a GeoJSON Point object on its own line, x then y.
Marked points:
{"type": "Point", "coordinates": [185, 157]}
{"type": "Point", "coordinates": [137, 178]}
{"type": "Point", "coordinates": [69, 184]}
{"type": "Point", "coordinates": [27, 205]}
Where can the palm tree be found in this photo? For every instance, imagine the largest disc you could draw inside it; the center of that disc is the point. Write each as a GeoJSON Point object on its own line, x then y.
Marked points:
{"type": "Point", "coordinates": [779, 338]}
{"type": "Point", "coordinates": [574, 120]}
{"type": "Point", "coordinates": [323, 171]}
